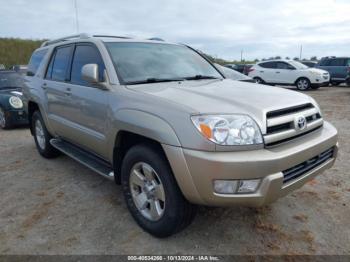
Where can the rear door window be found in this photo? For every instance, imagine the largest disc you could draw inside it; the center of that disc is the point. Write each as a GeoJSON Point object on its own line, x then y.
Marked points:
{"type": "Point", "coordinates": [269, 65]}
{"type": "Point", "coordinates": [85, 54]}
{"type": "Point", "coordinates": [337, 62]}
{"type": "Point", "coordinates": [59, 64]}
{"type": "Point", "coordinates": [35, 61]}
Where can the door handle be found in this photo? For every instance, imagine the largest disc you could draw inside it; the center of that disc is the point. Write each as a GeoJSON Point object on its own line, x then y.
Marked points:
{"type": "Point", "coordinates": [278, 72]}
{"type": "Point", "coordinates": [44, 86]}
{"type": "Point", "coordinates": [68, 91]}
{"type": "Point", "coordinates": [261, 71]}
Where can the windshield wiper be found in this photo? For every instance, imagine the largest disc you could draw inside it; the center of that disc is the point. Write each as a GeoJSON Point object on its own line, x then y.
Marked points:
{"type": "Point", "coordinates": [199, 77]}
{"type": "Point", "coordinates": [153, 80]}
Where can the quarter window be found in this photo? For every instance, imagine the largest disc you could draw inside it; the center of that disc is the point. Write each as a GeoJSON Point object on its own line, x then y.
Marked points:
{"type": "Point", "coordinates": [35, 61]}
{"type": "Point", "coordinates": [85, 54]}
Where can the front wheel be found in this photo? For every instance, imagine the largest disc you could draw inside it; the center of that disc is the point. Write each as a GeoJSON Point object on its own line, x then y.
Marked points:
{"type": "Point", "coordinates": [152, 194]}
{"type": "Point", "coordinates": [303, 84]}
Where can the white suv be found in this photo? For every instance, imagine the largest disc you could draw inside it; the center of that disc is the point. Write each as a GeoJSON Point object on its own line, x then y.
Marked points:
{"type": "Point", "coordinates": [289, 72]}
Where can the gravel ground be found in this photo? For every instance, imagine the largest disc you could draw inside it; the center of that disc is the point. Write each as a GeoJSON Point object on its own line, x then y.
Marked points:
{"type": "Point", "coordinates": [60, 207]}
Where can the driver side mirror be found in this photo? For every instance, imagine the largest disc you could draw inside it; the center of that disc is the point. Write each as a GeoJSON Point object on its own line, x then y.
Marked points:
{"type": "Point", "coordinates": [90, 74]}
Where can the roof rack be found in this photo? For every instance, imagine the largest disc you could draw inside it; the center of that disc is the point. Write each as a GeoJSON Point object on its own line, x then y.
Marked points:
{"type": "Point", "coordinates": [66, 38]}
{"type": "Point", "coordinates": [112, 36]}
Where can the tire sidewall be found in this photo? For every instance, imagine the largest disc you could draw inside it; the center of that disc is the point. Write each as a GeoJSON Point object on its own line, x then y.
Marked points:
{"type": "Point", "coordinates": [173, 195]}
{"type": "Point", "coordinates": [308, 81]}
{"type": "Point", "coordinates": [5, 126]}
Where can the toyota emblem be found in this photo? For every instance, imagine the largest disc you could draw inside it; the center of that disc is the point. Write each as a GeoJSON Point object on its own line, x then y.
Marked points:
{"type": "Point", "coordinates": [300, 122]}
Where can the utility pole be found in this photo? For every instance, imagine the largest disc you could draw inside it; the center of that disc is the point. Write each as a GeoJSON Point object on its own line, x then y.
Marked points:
{"type": "Point", "coordinates": [301, 52]}
{"type": "Point", "coordinates": [76, 15]}
{"type": "Point", "coordinates": [242, 55]}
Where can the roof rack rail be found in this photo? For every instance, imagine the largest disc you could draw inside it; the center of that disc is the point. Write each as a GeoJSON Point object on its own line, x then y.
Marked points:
{"type": "Point", "coordinates": [112, 36]}
{"type": "Point", "coordinates": [66, 38]}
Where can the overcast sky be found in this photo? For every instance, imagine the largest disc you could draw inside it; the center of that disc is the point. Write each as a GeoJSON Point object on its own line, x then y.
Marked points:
{"type": "Point", "coordinates": [221, 28]}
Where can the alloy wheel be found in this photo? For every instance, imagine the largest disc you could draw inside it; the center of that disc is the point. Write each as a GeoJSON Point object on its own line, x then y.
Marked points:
{"type": "Point", "coordinates": [147, 191]}
{"type": "Point", "coordinates": [303, 84]}
{"type": "Point", "coordinates": [40, 135]}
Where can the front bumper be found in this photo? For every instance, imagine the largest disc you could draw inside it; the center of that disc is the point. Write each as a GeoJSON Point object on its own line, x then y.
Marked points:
{"type": "Point", "coordinates": [16, 117]}
{"type": "Point", "coordinates": [195, 171]}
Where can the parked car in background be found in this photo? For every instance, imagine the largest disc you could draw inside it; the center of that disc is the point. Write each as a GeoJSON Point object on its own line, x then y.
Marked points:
{"type": "Point", "coordinates": [22, 69]}
{"type": "Point", "coordinates": [247, 68]}
{"type": "Point", "coordinates": [233, 74]}
{"type": "Point", "coordinates": [289, 72]}
{"type": "Point", "coordinates": [12, 112]}
{"type": "Point", "coordinates": [310, 64]}
{"type": "Point", "coordinates": [338, 68]}
{"type": "Point", "coordinates": [2, 67]}
{"type": "Point", "coordinates": [237, 67]}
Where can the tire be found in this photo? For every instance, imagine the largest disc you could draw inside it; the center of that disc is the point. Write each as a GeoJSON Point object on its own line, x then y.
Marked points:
{"type": "Point", "coordinates": [173, 212]}
{"type": "Point", "coordinates": [42, 137]}
{"type": "Point", "coordinates": [258, 80]}
{"type": "Point", "coordinates": [303, 84]}
{"type": "Point", "coordinates": [4, 124]}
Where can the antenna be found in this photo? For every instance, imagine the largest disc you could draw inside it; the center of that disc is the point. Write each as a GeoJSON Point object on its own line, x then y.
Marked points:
{"type": "Point", "coordinates": [76, 15]}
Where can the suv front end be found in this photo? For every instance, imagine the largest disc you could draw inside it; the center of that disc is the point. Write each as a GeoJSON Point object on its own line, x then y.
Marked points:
{"type": "Point", "coordinates": [298, 145]}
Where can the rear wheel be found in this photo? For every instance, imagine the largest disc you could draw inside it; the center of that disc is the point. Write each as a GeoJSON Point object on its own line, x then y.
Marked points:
{"type": "Point", "coordinates": [258, 80]}
{"type": "Point", "coordinates": [3, 120]}
{"type": "Point", "coordinates": [303, 84]}
{"type": "Point", "coordinates": [152, 194]}
{"type": "Point", "coordinates": [42, 137]}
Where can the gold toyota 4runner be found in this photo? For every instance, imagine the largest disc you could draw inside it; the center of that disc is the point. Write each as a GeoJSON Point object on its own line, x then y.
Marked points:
{"type": "Point", "coordinates": [163, 122]}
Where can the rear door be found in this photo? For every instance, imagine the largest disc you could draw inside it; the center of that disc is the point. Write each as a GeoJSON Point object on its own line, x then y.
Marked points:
{"type": "Point", "coordinates": [267, 71]}
{"type": "Point", "coordinates": [87, 109]}
{"type": "Point", "coordinates": [339, 68]}
{"type": "Point", "coordinates": [55, 87]}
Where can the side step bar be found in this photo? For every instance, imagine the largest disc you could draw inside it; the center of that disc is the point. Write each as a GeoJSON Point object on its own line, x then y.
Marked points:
{"type": "Point", "coordinates": [91, 161]}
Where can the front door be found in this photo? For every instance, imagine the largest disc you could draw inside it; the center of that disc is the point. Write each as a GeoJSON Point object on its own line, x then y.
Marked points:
{"type": "Point", "coordinates": [87, 109]}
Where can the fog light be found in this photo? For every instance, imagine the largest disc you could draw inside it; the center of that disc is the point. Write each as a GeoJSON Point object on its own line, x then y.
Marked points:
{"type": "Point", "coordinates": [248, 186]}
{"type": "Point", "coordinates": [236, 186]}
{"type": "Point", "coordinates": [225, 186]}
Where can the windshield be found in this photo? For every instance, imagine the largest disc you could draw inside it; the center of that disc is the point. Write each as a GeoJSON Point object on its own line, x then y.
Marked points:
{"type": "Point", "coordinates": [144, 62]}
{"type": "Point", "coordinates": [10, 80]}
{"type": "Point", "coordinates": [298, 65]}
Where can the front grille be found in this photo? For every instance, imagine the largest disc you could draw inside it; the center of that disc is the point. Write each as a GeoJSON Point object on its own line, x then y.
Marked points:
{"type": "Point", "coordinates": [303, 168]}
{"type": "Point", "coordinates": [282, 125]}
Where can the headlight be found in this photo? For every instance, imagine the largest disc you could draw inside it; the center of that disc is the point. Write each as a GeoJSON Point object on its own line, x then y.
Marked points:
{"type": "Point", "coordinates": [228, 129]}
{"type": "Point", "coordinates": [15, 102]}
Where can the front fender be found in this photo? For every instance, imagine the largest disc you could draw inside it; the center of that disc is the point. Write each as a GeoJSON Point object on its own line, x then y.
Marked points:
{"type": "Point", "coordinates": [144, 124]}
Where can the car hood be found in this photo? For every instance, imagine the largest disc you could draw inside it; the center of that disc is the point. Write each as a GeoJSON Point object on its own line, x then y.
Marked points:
{"type": "Point", "coordinates": [11, 92]}
{"type": "Point", "coordinates": [225, 97]}
{"type": "Point", "coordinates": [316, 70]}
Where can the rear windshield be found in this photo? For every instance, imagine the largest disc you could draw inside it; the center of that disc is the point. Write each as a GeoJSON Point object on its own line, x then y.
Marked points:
{"type": "Point", "coordinates": [35, 61]}
{"type": "Point", "coordinates": [10, 80]}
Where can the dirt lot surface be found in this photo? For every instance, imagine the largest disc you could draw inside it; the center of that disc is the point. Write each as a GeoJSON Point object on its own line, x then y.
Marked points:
{"type": "Point", "coordinates": [60, 207]}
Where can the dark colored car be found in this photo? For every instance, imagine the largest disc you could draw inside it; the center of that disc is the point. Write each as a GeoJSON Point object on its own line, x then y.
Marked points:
{"type": "Point", "coordinates": [309, 63]}
{"type": "Point", "coordinates": [12, 112]}
{"type": "Point", "coordinates": [233, 74]}
{"type": "Point", "coordinates": [22, 69]}
{"type": "Point", "coordinates": [338, 68]}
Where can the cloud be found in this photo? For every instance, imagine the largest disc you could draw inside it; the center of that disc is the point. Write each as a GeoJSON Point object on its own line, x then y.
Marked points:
{"type": "Point", "coordinates": [222, 28]}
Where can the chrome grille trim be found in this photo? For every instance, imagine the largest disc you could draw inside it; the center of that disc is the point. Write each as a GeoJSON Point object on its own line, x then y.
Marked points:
{"type": "Point", "coordinates": [282, 127]}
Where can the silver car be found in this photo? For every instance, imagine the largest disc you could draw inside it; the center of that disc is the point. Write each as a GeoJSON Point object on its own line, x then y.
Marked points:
{"type": "Point", "coordinates": [163, 122]}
